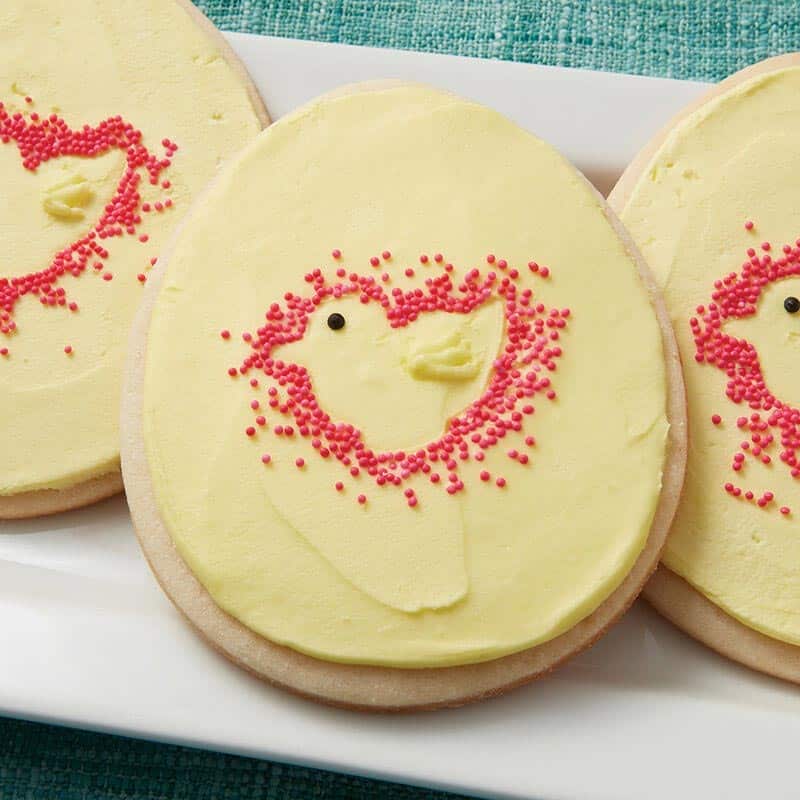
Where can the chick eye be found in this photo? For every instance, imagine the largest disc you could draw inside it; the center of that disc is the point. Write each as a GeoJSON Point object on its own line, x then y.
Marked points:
{"type": "Point", "coordinates": [792, 305]}
{"type": "Point", "coordinates": [336, 321]}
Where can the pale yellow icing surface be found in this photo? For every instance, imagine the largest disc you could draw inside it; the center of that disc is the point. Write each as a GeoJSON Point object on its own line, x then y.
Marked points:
{"type": "Point", "coordinates": [459, 578]}
{"type": "Point", "coordinates": [735, 159]}
{"type": "Point", "coordinates": [87, 60]}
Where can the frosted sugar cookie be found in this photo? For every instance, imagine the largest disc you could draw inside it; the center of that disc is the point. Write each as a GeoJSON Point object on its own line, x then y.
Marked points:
{"type": "Point", "coordinates": [111, 120]}
{"type": "Point", "coordinates": [710, 203]}
{"type": "Point", "coordinates": [397, 409]}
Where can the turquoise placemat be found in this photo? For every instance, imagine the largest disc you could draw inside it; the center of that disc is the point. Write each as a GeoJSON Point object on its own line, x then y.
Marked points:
{"type": "Point", "coordinates": [701, 39]}
{"type": "Point", "coordinates": [43, 762]}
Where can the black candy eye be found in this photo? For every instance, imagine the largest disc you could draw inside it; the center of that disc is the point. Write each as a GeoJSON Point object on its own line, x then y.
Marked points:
{"type": "Point", "coordinates": [336, 321]}
{"type": "Point", "coordinates": [792, 305]}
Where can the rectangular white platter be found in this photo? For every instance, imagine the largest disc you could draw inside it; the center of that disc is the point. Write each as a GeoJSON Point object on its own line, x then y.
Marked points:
{"type": "Point", "coordinates": [88, 639]}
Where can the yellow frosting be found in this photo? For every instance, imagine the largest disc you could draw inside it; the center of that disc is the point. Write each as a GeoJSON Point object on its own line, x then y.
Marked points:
{"type": "Point", "coordinates": [87, 60]}
{"type": "Point", "coordinates": [733, 160]}
{"type": "Point", "coordinates": [459, 578]}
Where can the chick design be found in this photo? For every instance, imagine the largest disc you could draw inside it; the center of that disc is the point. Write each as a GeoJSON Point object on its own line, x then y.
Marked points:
{"type": "Point", "coordinates": [66, 166]}
{"type": "Point", "coordinates": [750, 330]}
{"type": "Point", "coordinates": [443, 375]}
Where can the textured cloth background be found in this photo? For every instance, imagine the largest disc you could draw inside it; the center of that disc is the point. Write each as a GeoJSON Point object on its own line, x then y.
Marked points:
{"type": "Point", "coordinates": [703, 39]}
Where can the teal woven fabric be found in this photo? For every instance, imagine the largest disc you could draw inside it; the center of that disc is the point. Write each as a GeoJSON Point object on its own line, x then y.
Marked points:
{"type": "Point", "coordinates": [702, 39]}
{"type": "Point", "coordinates": [42, 762]}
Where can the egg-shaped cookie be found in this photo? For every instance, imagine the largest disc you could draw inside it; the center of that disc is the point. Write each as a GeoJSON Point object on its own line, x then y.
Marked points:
{"type": "Point", "coordinates": [398, 404]}
{"type": "Point", "coordinates": [709, 202]}
{"type": "Point", "coordinates": [112, 118]}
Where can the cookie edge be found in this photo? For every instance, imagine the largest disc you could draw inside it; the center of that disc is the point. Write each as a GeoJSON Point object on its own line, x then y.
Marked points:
{"type": "Point", "coordinates": [691, 611]}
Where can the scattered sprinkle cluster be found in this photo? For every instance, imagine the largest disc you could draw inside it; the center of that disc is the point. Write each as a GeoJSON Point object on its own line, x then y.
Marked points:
{"type": "Point", "coordinates": [770, 421]}
{"type": "Point", "coordinates": [521, 372]}
{"type": "Point", "coordinates": [41, 139]}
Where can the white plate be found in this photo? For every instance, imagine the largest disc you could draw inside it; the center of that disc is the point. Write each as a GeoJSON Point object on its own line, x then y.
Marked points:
{"type": "Point", "coordinates": [88, 639]}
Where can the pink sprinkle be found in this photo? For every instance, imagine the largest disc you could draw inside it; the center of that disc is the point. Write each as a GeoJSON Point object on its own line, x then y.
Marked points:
{"type": "Point", "coordinates": [409, 272]}
{"type": "Point", "coordinates": [485, 475]}
{"type": "Point", "coordinates": [716, 419]}
{"type": "Point", "coordinates": [785, 510]}
{"type": "Point", "coordinates": [266, 458]}
{"type": "Point", "coordinates": [299, 463]}
{"type": "Point", "coordinates": [749, 225]}
{"type": "Point", "coordinates": [501, 482]}
{"type": "Point", "coordinates": [374, 261]}
{"type": "Point", "coordinates": [336, 253]}
{"type": "Point", "coordinates": [339, 486]}
{"type": "Point", "coordinates": [225, 334]}
{"type": "Point", "coordinates": [386, 255]}
{"type": "Point", "coordinates": [362, 498]}
{"type": "Point", "coordinates": [423, 259]}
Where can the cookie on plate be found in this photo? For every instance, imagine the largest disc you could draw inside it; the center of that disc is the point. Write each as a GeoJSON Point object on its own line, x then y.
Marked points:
{"type": "Point", "coordinates": [398, 404]}
{"type": "Point", "coordinates": [111, 121]}
{"type": "Point", "coordinates": [710, 203]}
